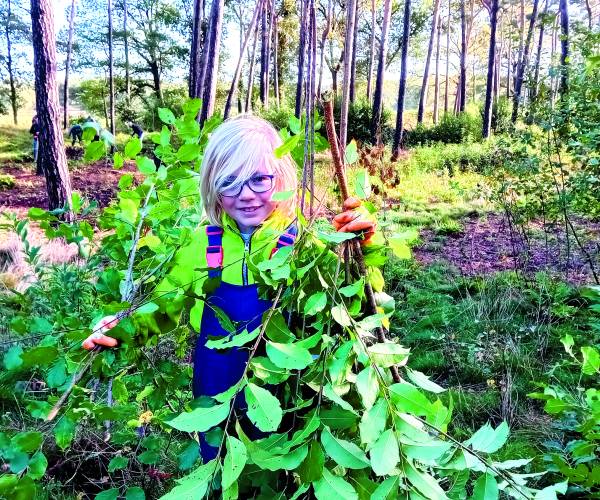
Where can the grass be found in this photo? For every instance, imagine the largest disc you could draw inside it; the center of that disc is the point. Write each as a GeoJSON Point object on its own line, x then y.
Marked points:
{"type": "Point", "coordinates": [15, 144]}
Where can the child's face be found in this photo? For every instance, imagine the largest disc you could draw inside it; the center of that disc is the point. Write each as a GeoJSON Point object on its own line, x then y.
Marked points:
{"type": "Point", "coordinates": [249, 209]}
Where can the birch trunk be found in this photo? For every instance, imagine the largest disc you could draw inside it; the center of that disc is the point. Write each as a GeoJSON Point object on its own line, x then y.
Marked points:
{"type": "Point", "coordinates": [425, 82]}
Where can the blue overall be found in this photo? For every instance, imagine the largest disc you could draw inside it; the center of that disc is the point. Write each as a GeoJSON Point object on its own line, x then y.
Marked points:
{"type": "Point", "coordinates": [215, 371]}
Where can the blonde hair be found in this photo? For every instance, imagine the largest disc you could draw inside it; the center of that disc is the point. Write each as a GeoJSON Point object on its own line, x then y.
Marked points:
{"type": "Point", "coordinates": [238, 147]}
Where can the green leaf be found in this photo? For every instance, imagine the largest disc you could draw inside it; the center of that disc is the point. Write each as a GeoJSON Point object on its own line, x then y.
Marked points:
{"type": "Point", "coordinates": [294, 124]}
{"type": "Point", "coordinates": [41, 356]}
{"type": "Point", "coordinates": [351, 153]}
{"type": "Point", "coordinates": [64, 432]}
{"type": "Point", "coordinates": [117, 463]}
{"type": "Point", "coordinates": [385, 453]}
{"type": "Point", "coordinates": [373, 422]}
{"type": "Point", "coordinates": [27, 441]}
{"type": "Point", "coordinates": [94, 151]}
{"type": "Point", "coordinates": [388, 354]}
{"type": "Point", "coordinates": [234, 462]}
{"type": "Point", "coordinates": [425, 451]}
{"type": "Point", "coordinates": [362, 186]}
{"type": "Point", "coordinates": [330, 394]}
{"type": "Point", "coordinates": [148, 457]}
{"type": "Point", "coordinates": [12, 358]}
{"type": "Point", "coordinates": [315, 303]}
{"type": "Point", "coordinates": [486, 488]}
{"type": "Point", "coordinates": [200, 419]}
{"type": "Point", "coordinates": [37, 466]}
{"type": "Point", "coordinates": [282, 195]}
{"type": "Point", "coordinates": [338, 418]}
{"type": "Point", "coordinates": [133, 147]}
{"type": "Point", "coordinates": [269, 461]}
{"type": "Point", "coordinates": [408, 399]}
{"type": "Point", "coordinates": [18, 461]}
{"type": "Point", "coordinates": [331, 487]}
{"type": "Point", "coordinates": [194, 485]}
{"type": "Point", "coordinates": [57, 375]}
{"type": "Point", "coordinates": [311, 469]}
{"type": "Point", "coordinates": [118, 160]}
{"type": "Point", "coordinates": [111, 494]}
{"type": "Point", "coordinates": [334, 238]}
{"type": "Point", "coordinates": [400, 248]}
{"type": "Point", "coordinates": [187, 458]}
{"type": "Point", "coordinates": [264, 409]}
{"type": "Point", "coordinates": [191, 107]}
{"type": "Point", "coordinates": [367, 386]}
{"type": "Point", "coordinates": [288, 145]}
{"type": "Point", "coordinates": [345, 453]}
{"type": "Point", "coordinates": [421, 380]}
{"type": "Point", "coordinates": [166, 116]}
{"type": "Point", "coordinates": [145, 165]}
{"type": "Point", "coordinates": [591, 360]}
{"type": "Point", "coordinates": [340, 315]}
{"type": "Point", "coordinates": [487, 439]}
{"type": "Point", "coordinates": [388, 490]}
{"type": "Point", "coordinates": [290, 356]}
{"type": "Point", "coordinates": [353, 289]}
{"type": "Point", "coordinates": [188, 152]}
{"type": "Point", "coordinates": [277, 329]}
{"type": "Point", "coordinates": [424, 483]}
{"type": "Point", "coordinates": [236, 340]}
{"type": "Point", "coordinates": [135, 493]}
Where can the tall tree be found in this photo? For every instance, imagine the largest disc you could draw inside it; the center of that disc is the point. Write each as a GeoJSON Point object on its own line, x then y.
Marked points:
{"type": "Point", "coordinates": [238, 68]}
{"type": "Point", "coordinates": [523, 62]}
{"type": "Point", "coordinates": [51, 156]}
{"type": "Point", "coordinates": [126, 50]}
{"type": "Point", "coordinates": [276, 61]}
{"type": "Point", "coordinates": [195, 74]}
{"type": "Point", "coordinates": [248, 105]}
{"type": "Point", "coordinates": [301, 54]}
{"type": "Point", "coordinates": [371, 52]}
{"type": "Point", "coordinates": [68, 66]}
{"type": "Point", "coordinates": [487, 107]}
{"type": "Point", "coordinates": [264, 50]}
{"type": "Point", "coordinates": [111, 79]}
{"type": "Point", "coordinates": [9, 62]}
{"type": "Point", "coordinates": [399, 133]}
{"type": "Point", "coordinates": [447, 80]}
{"type": "Point", "coordinates": [564, 47]}
{"type": "Point", "coordinates": [324, 35]}
{"type": "Point", "coordinates": [378, 92]}
{"type": "Point", "coordinates": [348, 51]}
{"type": "Point", "coordinates": [354, 51]}
{"type": "Point", "coordinates": [436, 93]}
{"type": "Point", "coordinates": [212, 48]}
{"type": "Point", "coordinates": [462, 82]}
{"type": "Point", "coordinates": [425, 82]}
{"type": "Point", "coordinates": [538, 54]}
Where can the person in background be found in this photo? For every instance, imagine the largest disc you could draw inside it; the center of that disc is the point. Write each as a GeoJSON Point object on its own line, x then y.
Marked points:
{"type": "Point", "coordinates": [35, 131]}
{"type": "Point", "coordinates": [137, 130]}
{"type": "Point", "coordinates": [76, 134]}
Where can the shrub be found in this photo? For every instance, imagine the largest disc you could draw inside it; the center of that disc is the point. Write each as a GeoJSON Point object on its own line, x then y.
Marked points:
{"type": "Point", "coordinates": [7, 181]}
{"type": "Point", "coordinates": [452, 129]}
{"type": "Point", "coordinates": [278, 117]}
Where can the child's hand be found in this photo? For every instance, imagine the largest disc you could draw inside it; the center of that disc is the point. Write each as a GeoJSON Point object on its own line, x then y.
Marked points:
{"type": "Point", "coordinates": [98, 338]}
{"type": "Point", "coordinates": [353, 221]}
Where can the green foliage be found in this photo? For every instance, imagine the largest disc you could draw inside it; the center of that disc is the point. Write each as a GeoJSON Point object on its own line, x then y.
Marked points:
{"type": "Point", "coordinates": [452, 129]}
{"type": "Point", "coordinates": [7, 181]}
{"type": "Point", "coordinates": [360, 114]}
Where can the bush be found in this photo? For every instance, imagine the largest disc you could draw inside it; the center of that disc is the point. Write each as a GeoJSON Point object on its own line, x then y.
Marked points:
{"type": "Point", "coordinates": [452, 129]}
{"type": "Point", "coordinates": [278, 117]}
{"type": "Point", "coordinates": [7, 181]}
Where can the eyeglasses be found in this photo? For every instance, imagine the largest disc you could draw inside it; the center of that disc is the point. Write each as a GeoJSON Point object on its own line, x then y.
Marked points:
{"type": "Point", "coordinates": [260, 183]}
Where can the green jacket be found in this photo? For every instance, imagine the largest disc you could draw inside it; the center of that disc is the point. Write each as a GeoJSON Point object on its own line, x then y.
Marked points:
{"type": "Point", "coordinates": [188, 271]}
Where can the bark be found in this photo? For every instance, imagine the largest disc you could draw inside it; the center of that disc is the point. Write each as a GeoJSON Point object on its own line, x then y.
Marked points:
{"type": "Point", "coordinates": [523, 62]}
{"type": "Point", "coordinates": [248, 105]}
{"type": "Point", "coordinates": [399, 134]}
{"type": "Point", "coordinates": [564, 47]}
{"type": "Point", "coordinates": [126, 47]}
{"type": "Point", "coordinates": [212, 48]}
{"type": "Point", "coordinates": [348, 51]}
{"type": "Point", "coordinates": [238, 68]}
{"type": "Point", "coordinates": [276, 61]}
{"type": "Point", "coordinates": [111, 79]}
{"type": "Point", "coordinates": [487, 107]}
{"type": "Point", "coordinates": [378, 91]}
{"type": "Point", "coordinates": [196, 60]}
{"type": "Point", "coordinates": [301, 54]}
{"type": "Point", "coordinates": [538, 55]}
{"type": "Point", "coordinates": [425, 82]}
{"type": "Point", "coordinates": [269, 41]}
{"type": "Point", "coordinates": [447, 81]}
{"type": "Point", "coordinates": [509, 60]}
{"type": "Point", "coordinates": [371, 51]}
{"type": "Point", "coordinates": [9, 64]}
{"type": "Point", "coordinates": [462, 90]}
{"type": "Point", "coordinates": [51, 156]}
{"type": "Point", "coordinates": [353, 59]}
{"type": "Point", "coordinates": [588, 9]}
{"type": "Point", "coordinates": [436, 94]}
{"type": "Point", "coordinates": [264, 31]}
{"type": "Point", "coordinates": [323, 39]}
{"type": "Point", "coordinates": [68, 67]}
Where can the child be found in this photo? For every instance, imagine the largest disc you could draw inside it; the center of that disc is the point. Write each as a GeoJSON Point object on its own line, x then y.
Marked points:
{"type": "Point", "coordinates": [35, 132]}
{"type": "Point", "coordinates": [76, 134]}
{"type": "Point", "coordinates": [137, 130]}
{"type": "Point", "coordinates": [239, 176]}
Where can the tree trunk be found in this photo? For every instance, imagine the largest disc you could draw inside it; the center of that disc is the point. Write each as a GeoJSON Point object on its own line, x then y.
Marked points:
{"type": "Point", "coordinates": [399, 134]}
{"type": "Point", "coordinates": [436, 94]}
{"type": "Point", "coordinates": [487, 108]}
{"type": "Point", "coordinates": [248, 105]}
{"type": "Point", "coordinates": [269, 41]}
{"type": "Point", "coordinates": [588, 8]}
{"type": "Point", "coordinates": [301, 53]}
{"type": "Point", "coordinates": [353, 59]}
{"type": "Point", "coordinates": [523, 62]}
{"type": "Point", "coordinates": [126, 46]}
{"type": "Point", "coordinates": [323, 39]}
{"type": "Point", "coordinates": [196, 60]}
{"type": "Point", "coordinates": [276, 61]}
{"type": "Point", "coordinates": [462, 93]}
{"type": "Point", "coordinates": [425, 82]}
{"type": "Point", "coordinates": [9, 64]}
{"type": "Point", "coordinates": [447, 81]}
{"type": "Point", "coordinates": [68, 67]}
{"type": "Point", "coordinates": [212, 48]}
{"type": "Point", "coordinates": [371, 51]}
{"type": "Point", "coordinates": [264, 31]}
{"type": "Point", "coordinates": [348, 51]}
{"type": "Point", "coordinates": [564, 47]}
{"type": "Point", "coordinates": [538, 55]}
{"type": "Point", "coordinates": [238, 68]}
{"type": "Point", "coordinates": [378, 93]}
{"type": "Point", "coordinates": [111, 79]}
{"type": "Point", "coordinates": [51, 156]}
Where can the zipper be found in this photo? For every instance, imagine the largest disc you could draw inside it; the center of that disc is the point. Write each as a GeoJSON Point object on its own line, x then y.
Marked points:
{"type": "Point", "coordinates": [247, 246]}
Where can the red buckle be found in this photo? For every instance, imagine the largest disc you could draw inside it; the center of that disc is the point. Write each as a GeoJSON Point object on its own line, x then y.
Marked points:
{"type": "Point", "coordinates": [214, 256]}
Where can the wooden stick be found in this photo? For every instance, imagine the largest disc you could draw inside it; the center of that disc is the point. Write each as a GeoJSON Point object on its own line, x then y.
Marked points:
{"type": "Point", "coordinates": [340, 172]}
